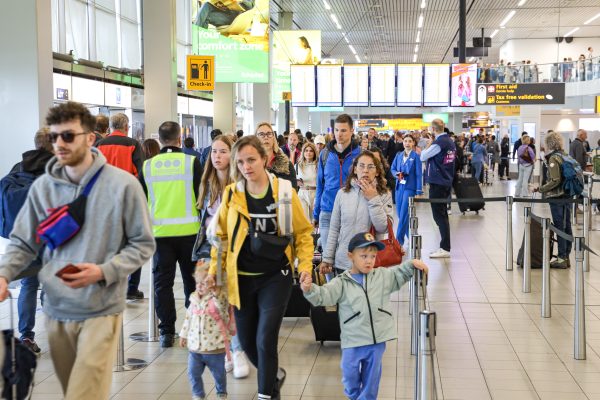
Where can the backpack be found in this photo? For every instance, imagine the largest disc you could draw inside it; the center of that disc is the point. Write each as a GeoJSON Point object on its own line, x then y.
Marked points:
{"type": "Point", "coordinates": [572, 176]}
{"type": "Point", "coordinates": [323, 158]}
{"type": "Point", "coordinates": [596, 163]}
{"type": "Point", "coordinates": [14, 188]}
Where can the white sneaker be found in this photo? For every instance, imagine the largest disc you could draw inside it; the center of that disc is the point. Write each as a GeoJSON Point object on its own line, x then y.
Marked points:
{"type": "Point", "coordinates": [241, 369]}
{"type": "Point", "coordinates": [228, 365]}
{"type": "Point", "coordinates": [441, 253]}
{"type": "Point", "coordinates": [449, 212]}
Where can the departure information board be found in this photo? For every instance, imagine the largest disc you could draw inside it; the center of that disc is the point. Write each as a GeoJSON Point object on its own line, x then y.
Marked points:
{"type": "Point", "coordinates": [356, 85]}
{"type": "Point", "coordinates": [303, 85]}
{"type": "Point", "coordinates": [436, 88]}
{"type": "Point", "coordinates": [410, 85]}
{"type": "Point", "coordinates": [383, 85]}
{"type": "Point", "coordinates": [329, 85]}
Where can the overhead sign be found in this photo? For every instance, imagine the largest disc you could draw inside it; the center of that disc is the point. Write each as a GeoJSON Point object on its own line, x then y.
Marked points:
{"type": "Point", "coordinates": [508, 111]}
{"type": "Point", "coordinates": [521, 93]}
{"type": "Point", "coordinates": [286, 96]}
{"type": "Point", "coordinates": [200, 73]}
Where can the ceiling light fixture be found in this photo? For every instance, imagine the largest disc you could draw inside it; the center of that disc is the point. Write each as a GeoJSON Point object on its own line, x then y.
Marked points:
{"type": "Point", "coordinates": [415, 58]}
{"type": "Point", "coordinates": [508, 17]}
{"type": "Point", "coordinates": [352, 49]}
{"type": "Point", "coordinates": [335, 21]}
{"type": "Point", "coordinates": [346, 39]}
{"type": "Point", "coordinates": [423, 4]}
{"type": "Point", "coordinates": [494, 33]}
{"type": "Point", "coordinates": [416, 48]}
{"type": "Point", "coordinates": [471, 59]}
{"type": "Point", "coordinates": [420, 24]}
{"type": "Point", "coordinates": [326, 5]}
{"type": "Point", "coordinates": [357, 58]}
{"type": "Point", "coordinates": [521, 3]}
{"type": "Point", "coordinates": [418, 37]}
{"type": "Point", "coordinates": [572, 31]}
{"type": "Point", "coordinates": [592, 19]}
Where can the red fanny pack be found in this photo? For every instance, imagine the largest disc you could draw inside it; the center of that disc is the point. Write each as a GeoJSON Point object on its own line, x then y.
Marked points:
{"type": "Point", "coordinates": [65, 222]}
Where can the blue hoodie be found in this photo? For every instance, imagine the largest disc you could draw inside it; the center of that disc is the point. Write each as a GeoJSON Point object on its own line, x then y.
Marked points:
{"type": "Point", "coordinates": [331, 175]}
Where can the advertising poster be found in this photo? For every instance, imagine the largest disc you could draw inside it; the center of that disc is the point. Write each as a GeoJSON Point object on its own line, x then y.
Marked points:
{"type": "Point", "coordinates": [236, 32]}
{"type": "Point", "coordinates": [292, 47]}
{"type": "Point", "coordinates": [464, 79]}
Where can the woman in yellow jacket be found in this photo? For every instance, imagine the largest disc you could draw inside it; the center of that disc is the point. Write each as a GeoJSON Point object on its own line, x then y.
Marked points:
{"type": "Point", "coordinates": [257, 260]}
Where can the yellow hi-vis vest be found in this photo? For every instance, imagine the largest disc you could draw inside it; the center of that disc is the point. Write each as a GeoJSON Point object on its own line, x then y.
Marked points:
{"type": "Point", "coordinates": [169, 178]}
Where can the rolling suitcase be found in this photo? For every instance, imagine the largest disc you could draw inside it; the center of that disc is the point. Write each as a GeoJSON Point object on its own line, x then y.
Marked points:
{"type": "Point", "coordinates": [468, 188]}
{"type": "Point", "coordinates": [325, 320]}
{"type": "Point", "coordinates": [536, 247]}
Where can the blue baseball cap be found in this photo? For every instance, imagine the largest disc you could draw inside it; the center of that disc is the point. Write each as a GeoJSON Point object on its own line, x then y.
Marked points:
{"type": "Point", "coordinates": [364, 239]}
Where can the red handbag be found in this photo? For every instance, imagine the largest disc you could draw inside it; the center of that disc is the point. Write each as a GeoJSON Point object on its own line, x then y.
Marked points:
{"type": "Point", "coordinates": [392, 253]}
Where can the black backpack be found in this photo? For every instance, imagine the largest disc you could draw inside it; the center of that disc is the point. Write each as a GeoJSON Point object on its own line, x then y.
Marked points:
{"type": "Point", "coordinates": [14, 188]}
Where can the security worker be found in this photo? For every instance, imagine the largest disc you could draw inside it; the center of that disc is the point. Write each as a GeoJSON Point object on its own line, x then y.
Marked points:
{"type": "Point", "coordinates": [171, 180]}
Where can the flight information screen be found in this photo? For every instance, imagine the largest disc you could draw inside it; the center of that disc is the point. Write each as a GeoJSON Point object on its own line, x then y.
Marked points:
{"type": "Point", "coordinates": [329, 85]}
{"type": "Point", "coordinates": [436, 88]}
{"type": "Point", "coordinates": [356, 85]}
{"type": "Point", "coordinates": [383, 85]}
{"type": "Point", "coordinates": [410, 85]}
{"type": "Point", "coordinates": [304, 93]}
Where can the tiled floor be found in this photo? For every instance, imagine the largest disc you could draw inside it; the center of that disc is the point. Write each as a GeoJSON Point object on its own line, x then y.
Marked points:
{"type": "Point", "coordinates": [491, 341]}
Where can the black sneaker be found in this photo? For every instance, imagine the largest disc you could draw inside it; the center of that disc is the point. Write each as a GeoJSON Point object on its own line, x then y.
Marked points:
{"type": "Point", "coordinates": [167, 340]}
{"type": "Point", "coordinates": [31, 345]}
{"type": "Point", "coordinates": [137, 295]}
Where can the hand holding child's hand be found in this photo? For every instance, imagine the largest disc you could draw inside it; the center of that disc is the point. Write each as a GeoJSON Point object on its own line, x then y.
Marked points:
{"type": "Point", "coordinates": [305, 281]}
{"type": "Point", "coordinates": [418, 264]}
{"type": "Point", "coordinates": [183, 342]}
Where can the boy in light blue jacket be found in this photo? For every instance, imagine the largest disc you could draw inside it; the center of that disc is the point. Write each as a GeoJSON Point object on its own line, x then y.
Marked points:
{"type": "Point", "coordinates": [363, 298]}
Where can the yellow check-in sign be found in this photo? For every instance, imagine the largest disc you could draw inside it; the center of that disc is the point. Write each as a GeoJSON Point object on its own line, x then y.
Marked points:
{"type": "Point", "coordinates": [200, 73]}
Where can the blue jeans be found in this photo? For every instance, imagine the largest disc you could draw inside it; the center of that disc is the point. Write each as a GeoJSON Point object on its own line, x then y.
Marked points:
{"type": "Point", "coordinates": [216, 364]}
{"type": "Point", "coordinates": [235, 344]}
{"type": "Point", "coordinates": [26, 306]}
{"type": "Point", "coordinates": [477, 167]}
{"type": "Point", "coordinates": [324, 222]}
{"type": "Point", "coordinates": [361, 371]}
{"type": "Point", "coordinates": [561, 218]}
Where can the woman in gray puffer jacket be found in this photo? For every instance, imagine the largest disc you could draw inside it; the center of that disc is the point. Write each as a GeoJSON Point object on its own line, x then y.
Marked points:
{"type": "Point", "coordinates": [363, 203]}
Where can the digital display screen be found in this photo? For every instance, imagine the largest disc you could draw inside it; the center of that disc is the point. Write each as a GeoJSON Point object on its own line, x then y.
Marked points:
{"type": "Point", "coordinates": [410, 85]}
{"type": "Point", "coordinates": [383, 85]}
{"type": "Point", "coordinates": [464, 80]}
{"type": "Point", "coordinates": [329, 86]}
{"type": "Point", "coordinates": [303, 85]}
{"type": "Point", "coordinates": [436, 88]}
{"type": "Point", "coordinates": [356, 85]}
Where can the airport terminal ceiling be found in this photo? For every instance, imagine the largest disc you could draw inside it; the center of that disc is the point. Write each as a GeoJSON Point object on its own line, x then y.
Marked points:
{"type": "Point", "coordinates": [387, 30]}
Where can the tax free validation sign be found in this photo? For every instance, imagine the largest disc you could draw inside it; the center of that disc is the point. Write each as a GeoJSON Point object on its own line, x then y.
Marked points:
{"type": "Point", "coordinates": [200, 73]}
{"type": "Point", "coordinates": [520, 93]}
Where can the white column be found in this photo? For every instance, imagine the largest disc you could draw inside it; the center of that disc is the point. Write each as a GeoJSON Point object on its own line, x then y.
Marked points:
{"type": "Point", "coordinates": [261, 103]}
{"type": "Point", "coordinates": [302, 115]}
{"type": "Point", "coordinates": [529, 115]}
{"type": "Point", "coordinates": [26, 78]}
{"type": "Point", "coordinates": [160, 63]}
{"type": "Point", "coordinates": [224, 102]}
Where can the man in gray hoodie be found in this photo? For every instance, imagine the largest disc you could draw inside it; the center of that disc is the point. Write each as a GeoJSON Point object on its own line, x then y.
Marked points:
{"type": "Point", "coordinates": [84, 308]}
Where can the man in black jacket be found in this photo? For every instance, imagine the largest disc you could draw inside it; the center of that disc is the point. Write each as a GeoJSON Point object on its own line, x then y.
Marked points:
{"type": "Point", "coordinates": [34, 162]}
{"type": "Point", "coordinates": [504, 161]}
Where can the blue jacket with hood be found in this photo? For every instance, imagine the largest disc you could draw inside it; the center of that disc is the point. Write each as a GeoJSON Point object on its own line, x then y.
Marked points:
{"type": "Point", "coordinates": [332, 170]}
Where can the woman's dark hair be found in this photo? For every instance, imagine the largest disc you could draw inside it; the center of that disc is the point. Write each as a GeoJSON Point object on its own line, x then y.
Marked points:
{"type": "Point", "coordinates": [71, 111]}
{"type": "Point", "coordinates": [304, 41]}
{"type": "Point", "coordinates": [151, 148]}
{"type": "Point", "coordinates": [381, 158]}
{"type": "Point", "coordinates": [281, 140]}
{"type": "Point", "coordinates": [381, 182]}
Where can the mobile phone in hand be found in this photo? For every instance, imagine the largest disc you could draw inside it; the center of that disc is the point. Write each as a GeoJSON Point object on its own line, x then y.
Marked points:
{"type": "Point", "coordinates": [67, 269]}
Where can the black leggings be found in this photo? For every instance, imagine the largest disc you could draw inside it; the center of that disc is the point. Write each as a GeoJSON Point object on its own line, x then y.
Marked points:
{"type": "Point", "coordinates": [263, 301]}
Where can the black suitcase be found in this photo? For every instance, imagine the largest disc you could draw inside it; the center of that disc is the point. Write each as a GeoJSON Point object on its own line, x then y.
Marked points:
{"type": "Point", "coordinates": [298, 306]}
{"type": "Point", "coordinates": [537, 243]}
{"type": "Point", "coordinates": [325, 320]}
{"type": "Point", "coordinates": [468, 188]}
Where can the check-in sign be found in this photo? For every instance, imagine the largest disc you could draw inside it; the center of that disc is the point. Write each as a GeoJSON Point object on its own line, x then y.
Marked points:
{"type": "Point", "coordinates": [200, 73]}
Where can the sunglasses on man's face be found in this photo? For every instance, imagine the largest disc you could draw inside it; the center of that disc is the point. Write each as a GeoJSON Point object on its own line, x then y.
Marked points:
{"type": "Point", "coordinates": [66, 136]}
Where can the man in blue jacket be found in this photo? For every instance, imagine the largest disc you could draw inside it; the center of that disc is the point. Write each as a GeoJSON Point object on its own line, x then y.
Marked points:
{"type": "Point", "coordinates": [439, 173]}
{"type": "Point", "coordinates": [335, 161]}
